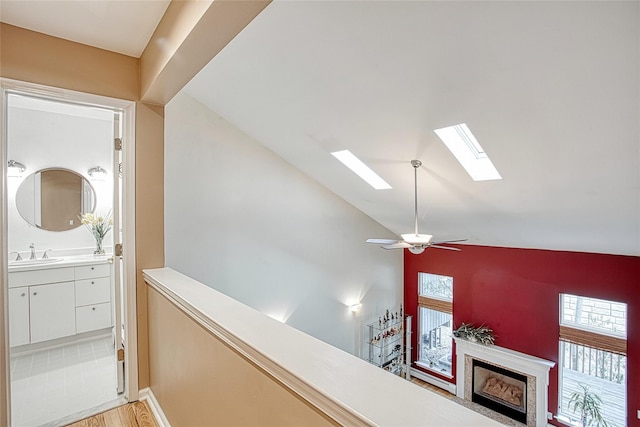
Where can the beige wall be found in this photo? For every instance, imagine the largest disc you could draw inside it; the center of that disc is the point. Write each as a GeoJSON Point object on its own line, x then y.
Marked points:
{"type": "Point", "coordinates": [200, 381]}
{"type": "Point", "coordinates": [149, 214]}
{"type": "Point", "coordinates": [37, 58]}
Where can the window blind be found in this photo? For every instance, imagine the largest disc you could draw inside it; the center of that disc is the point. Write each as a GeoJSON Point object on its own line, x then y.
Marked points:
{"type": "Point", "coordinates": [594, 340]}
{"type": "Point", "coordinates": [436, 304]}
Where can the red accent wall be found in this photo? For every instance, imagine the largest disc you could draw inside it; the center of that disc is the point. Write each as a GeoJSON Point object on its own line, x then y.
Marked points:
{"type": "Point", "coordinates": [516, 293]}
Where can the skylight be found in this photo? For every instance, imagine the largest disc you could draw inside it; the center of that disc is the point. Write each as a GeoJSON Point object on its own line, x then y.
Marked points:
{"type": "Point", "coordinates": [464, 146]}
{"type": "Point", "coordinates": [360, 169]}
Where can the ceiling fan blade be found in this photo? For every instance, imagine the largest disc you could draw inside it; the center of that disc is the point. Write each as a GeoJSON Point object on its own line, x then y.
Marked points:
{"type": "Point", "coordinates": [397, 245]}
{"type": "Point", "coordinates": [445, 247]}
{"type": "Point", "coordinates": [383, 241]}
{"type": "Point", "coordinates": [449, 241]}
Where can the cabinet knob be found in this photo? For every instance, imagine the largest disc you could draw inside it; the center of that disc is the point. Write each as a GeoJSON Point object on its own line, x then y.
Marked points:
{"type": "Point", "coordinates": [92, 268]}
{"type": "Point", "coordinates": [23, 294]}
{"type": "Point", "coordinates": [93, 283]}
{"type": "Point", "coordinates": [35, 293]}
{"type": "Point", "coordinates": [94, 309]}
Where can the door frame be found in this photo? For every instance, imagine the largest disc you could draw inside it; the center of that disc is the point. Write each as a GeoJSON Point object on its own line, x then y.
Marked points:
{"type": "Point", "coordinates": [128, 198]}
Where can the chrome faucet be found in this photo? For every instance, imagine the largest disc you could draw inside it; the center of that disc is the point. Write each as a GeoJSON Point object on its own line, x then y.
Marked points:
{"type": "Point", "coordinates": [33, 251]}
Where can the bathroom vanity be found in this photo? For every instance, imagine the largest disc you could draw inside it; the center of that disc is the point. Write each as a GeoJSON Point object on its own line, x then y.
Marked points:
{"type": "Point", "coordinates": [60, 298]}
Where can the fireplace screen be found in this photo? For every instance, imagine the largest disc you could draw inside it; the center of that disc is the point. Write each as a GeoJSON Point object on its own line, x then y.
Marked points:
{"type": "Point", "coordinates": [501, 390]}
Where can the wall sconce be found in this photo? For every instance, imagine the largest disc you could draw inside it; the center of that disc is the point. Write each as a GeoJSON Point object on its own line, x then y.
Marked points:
{"type": "Point", "coordinates": [97, 173]}
{"type": "Point", "coordinates": [354, 308]}
{"type": "Point", "coordinates": [15, 168]}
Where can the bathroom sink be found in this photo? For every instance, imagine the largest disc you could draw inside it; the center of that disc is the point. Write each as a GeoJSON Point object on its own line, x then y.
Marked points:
{"type": "Point", "coordinates": [34, 261]}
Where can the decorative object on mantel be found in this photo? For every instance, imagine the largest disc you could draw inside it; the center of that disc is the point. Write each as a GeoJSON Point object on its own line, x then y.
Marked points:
{"type": "Point", "coordinates": [98, 226]}
{"type": "Point", "coordinates": [481, 334]}
{"type": "Point", "coordinates": [587, 404]}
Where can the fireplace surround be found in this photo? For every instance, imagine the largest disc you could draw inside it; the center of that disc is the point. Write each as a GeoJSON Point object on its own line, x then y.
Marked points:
{"type": "Point", "coordinates": [519, 385]}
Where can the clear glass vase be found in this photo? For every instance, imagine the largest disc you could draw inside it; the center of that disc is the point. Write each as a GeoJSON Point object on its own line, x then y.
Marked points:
{"type": "Point", "coordinates": [99, 250]}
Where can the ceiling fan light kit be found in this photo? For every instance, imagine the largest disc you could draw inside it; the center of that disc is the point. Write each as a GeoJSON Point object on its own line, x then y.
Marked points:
{"type": "Point", "coordinates": [416, 250]}
{"type": "Point", "coordinates": [416, 239]}
{"type": "Point", "coordinates": [415, 242]}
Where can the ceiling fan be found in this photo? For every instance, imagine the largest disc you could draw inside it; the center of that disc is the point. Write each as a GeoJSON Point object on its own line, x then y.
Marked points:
{"type": "Point", "coordinates": [415, 242]}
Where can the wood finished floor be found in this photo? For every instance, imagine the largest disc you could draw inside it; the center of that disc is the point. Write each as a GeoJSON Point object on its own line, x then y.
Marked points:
{"type": "Point", "coordinates": [433, 388]}
{"type": "Point", "coordinates": [135, 414]}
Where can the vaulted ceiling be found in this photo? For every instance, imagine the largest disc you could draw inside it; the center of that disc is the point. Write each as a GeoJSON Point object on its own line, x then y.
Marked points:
{"type": "Point", "coordinates": [551, 90]}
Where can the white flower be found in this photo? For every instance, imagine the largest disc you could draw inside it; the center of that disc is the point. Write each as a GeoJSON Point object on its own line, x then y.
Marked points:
{"type": "Point", "coordinates": [99, 226]}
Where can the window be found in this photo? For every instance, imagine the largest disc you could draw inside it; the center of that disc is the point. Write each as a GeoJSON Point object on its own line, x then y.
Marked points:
{"type": "Point", "coordinates": [593, 347]}
{"type": "Point", "coordinates": [435, 322]}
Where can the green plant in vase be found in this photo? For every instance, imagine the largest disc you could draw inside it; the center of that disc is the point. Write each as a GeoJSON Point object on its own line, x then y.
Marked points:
{"type": "Point", "coordinates": [588, 405]}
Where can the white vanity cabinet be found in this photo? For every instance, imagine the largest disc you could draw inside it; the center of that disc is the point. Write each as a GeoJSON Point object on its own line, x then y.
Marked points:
{"type": "Point", "coordinates": [49, 303]}
{"type": "Point", "coordinates": [18, 316]}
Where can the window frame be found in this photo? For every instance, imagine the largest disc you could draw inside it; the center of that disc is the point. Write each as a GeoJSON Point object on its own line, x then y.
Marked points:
{"type": "Point", "coordinates": [441, 305]}
{"type": "Point", "coordinates": [587, 337]}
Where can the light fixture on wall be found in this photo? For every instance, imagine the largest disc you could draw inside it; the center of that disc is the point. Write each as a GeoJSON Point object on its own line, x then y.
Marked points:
{"type": "Point", "coordinates": [354, 308]}
{"type": "Point", "coordinates": [15, 168]}
{"type": "Point", "coordinates": [97, 172]}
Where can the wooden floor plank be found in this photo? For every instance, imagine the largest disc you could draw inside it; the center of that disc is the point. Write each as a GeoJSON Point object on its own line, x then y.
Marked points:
{"type": "Point", "coordinates": [112, 418]}
{"type": "Point", "coordinates": [135, 414]}
{"type": "Point", "coordinates": [144, 416]}
{"type": "Point", "coordinates": [128, 415]}
{"type": "Point", "coordinates": [95, 421]}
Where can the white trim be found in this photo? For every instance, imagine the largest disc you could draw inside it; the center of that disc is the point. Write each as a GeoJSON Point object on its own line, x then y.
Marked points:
{"type": "Point", "coordinates": [421, 375]}
{"type": "Point", "coordinates": [128, 107]}
{"type": "Point", "coordinates": [57, 94]}
{"type": "Point", "coordinates": [129, 243]}
{"type": "Point", "coordinates": [146, 394]}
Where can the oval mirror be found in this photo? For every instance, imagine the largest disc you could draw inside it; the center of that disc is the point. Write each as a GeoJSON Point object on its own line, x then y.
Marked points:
{"type": "Point", "coordinates": [53, 199]}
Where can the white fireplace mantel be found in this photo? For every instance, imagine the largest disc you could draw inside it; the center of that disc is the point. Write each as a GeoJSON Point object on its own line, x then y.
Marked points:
{"type": "Point", "coordinates": [510, 359]}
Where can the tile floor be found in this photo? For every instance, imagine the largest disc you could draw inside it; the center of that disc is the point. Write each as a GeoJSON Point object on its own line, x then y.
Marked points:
{"type": "Point", "coordinates": [52, 384]}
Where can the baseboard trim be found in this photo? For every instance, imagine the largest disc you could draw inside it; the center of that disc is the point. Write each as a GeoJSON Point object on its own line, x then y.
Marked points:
{"type": "Point", "coordinates": [147, 395]}
{"type": "Point", "coordinates": [451, 388]}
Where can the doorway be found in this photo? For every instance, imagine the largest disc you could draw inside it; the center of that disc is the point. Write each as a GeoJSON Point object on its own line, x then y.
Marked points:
{"type": "Point", "coordinates": [68, 304]}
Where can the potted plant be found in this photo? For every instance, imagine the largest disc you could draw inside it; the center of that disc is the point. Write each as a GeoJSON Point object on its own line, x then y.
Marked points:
{"type": "Point", "coordinates": [482, 334]}
{"type": "Point", "coordinates": [587, 404]}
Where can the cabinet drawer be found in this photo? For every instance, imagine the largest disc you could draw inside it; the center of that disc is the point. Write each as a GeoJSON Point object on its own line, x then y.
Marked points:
{"type": "Point", "coordinates": [90, 271]}
{"type": "Point", "coordinates": [92, 317]}
{"type": "Point", "coordinates": [38, 277]}
{"type": "Point", "coordinates": [93, 291]}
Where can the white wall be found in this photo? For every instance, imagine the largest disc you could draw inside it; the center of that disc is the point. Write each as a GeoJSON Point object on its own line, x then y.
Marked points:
{"type": "Point", "coordinates": [44, 134]}
{"type": "Point", "coordinates": [245, 222]}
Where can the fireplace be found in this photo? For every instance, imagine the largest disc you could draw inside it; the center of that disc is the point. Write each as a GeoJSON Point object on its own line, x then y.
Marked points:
{"type": "Point", "coordinates": [500, 390]}
{"type": "Point", "coordinates": [484, 371]}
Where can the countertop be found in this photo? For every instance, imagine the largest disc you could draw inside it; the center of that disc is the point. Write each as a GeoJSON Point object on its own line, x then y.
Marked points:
{"type": "Point", "coordinates": [67, 261]}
